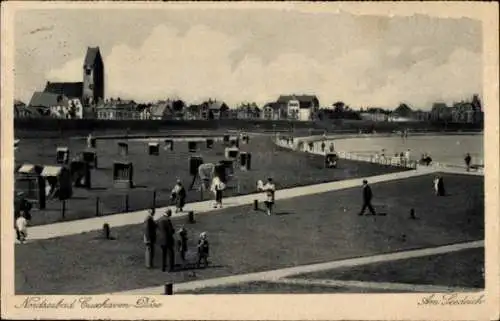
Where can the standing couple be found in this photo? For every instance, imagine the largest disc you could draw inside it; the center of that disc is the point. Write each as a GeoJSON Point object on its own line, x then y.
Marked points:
{"type": "Point", "coordinates": [166, 240]}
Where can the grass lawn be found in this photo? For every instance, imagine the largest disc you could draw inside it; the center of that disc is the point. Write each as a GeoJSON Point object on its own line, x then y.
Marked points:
{"type": "Point", "coordinates": [288, 169]}
{"type": "Point", "coordinates": [306, 230]}
{"type": "Point", "coordinates": [457, 269]}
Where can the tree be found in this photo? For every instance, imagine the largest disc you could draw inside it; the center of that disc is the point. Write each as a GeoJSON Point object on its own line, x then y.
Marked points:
{"type": "Point", "coordinates": [178, 105]}
{"type": "Point", "coordinates": [338, 107]}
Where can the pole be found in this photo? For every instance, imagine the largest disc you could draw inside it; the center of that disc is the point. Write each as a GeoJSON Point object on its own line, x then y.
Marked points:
{"type": "Point", "coordinates": [154, 199]}
{"type": "Point", "coordinates": [126, 203]}
{"type": "Point", "coordinates": [63, 209]}
{"type": "Point", "coordinates": [169, 289]}
{"type": "Point", "coordinates": [97, 206]}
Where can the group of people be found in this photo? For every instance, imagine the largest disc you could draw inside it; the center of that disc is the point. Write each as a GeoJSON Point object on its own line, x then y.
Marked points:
{"type": "Point", "coordinates": [425, 159]}
{"type": "Point", "coordinates": [168, 243]}
{"type": "Point", "coordinates": [217, 187]}
{"type": "Point", "coordinates": [404, 157]}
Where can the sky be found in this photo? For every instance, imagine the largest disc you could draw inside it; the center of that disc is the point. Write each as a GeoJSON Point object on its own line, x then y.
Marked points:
{"type": "Point", "coordinates": [254, 55]}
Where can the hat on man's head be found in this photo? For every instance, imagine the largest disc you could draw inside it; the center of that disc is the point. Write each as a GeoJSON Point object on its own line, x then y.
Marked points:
{"type": "Point", "coordinates": [365, 181]}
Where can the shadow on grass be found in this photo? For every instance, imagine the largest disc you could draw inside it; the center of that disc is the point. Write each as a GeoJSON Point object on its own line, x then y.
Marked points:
{"type": "Point", "coordinates": [188, 267]}
{"type": "Point", "coordinates": [79, 198]}
{"type": "Point", "coordinates": [98, 188]}
{"type": "Point", "coordinates": [283, 213]}
{"type": "Point", "coordinates": [139, 187]}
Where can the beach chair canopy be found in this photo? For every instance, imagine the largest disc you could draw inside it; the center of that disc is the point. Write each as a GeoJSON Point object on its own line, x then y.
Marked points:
{"type": "Point", "coordinates": [206, 171]}
{"type": "Point", "coordinates": [51, 171]}
{"type": "Point", "coordinates": [27, 169]}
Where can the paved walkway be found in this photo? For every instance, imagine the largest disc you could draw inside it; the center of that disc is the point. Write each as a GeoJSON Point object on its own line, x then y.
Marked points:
{"type": "Point", "coordinates": [123, 219]}
{"type": "Point", "coordinates": [386, 286]}
{"type": "Point", "coordinates": [279, 275]}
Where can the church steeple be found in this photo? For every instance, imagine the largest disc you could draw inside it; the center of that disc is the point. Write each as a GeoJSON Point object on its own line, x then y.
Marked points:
{"type": "Point", "coordinates": [93, 77]}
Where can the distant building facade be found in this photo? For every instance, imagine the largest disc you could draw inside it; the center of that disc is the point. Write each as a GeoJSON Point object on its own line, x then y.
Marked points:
{"type": "Point", "coordinates": [119, 110]}
{"type": "Point", "coordinates": [273, 111]}
{"type": "Point", "coordinates": [375, 116]}
{"type": "Point", "coordinates": [299, 107]}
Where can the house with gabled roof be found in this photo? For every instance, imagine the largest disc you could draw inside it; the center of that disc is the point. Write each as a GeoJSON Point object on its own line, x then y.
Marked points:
{"type": "Point", "coordinates": [273, 111]}
{"type": "Point", "coordinates": [300, 107]}
{"type": "Point", "coordinates": [55, 105]}
{"type": "Point", "coordinates": [161, 110]}
{"type": "Point", "coordinates": [217, 110]}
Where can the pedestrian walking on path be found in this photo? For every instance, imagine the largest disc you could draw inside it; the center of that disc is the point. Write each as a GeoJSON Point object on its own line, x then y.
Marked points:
{"type": "Point", "coordinates": [203, 249]}
{"type": "Point", "coordinates": [22, 227]}
{"type": "Point", "coordinates": [182, 245]}
{"type": "Point", "coordinates": [439, 186]}
{"type": "Point", "coordinates": [367, 199]}
{"type": "Point", "coordinates": [150, 238]}
{"type": "Point", "coordinates": [218, 188]}
{"type": "Point", "coordinates": [468, 160]}
{"type": "Point", "coordinates": [167, 241]}
{"type": "Point", "coordinates": [89, 140]}
{"type": "Point", "coordinates": [270, 190]}
{"type": "Point", "coordinates": [179, 196]}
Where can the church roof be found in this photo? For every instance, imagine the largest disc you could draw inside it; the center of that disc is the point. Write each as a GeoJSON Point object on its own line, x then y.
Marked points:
{"type": "Point", "coordinates": [68, 89]}
{"type": "Point", "coordinates": [45, 99]}
{"type": "Point", "coordinates": [91, 56]}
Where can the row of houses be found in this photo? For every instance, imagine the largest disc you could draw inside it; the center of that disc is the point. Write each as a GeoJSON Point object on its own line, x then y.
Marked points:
{"type": "Point", "coordinates": [51, 103]}
{"type": "Point", "coordinates": [47, 104]}
{"type": "Point", "coordinates": [460, 112]}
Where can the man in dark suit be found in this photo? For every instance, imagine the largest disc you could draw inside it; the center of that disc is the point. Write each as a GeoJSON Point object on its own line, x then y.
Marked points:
{"type": "Point", "coordinates": [150, 238]}
{"type": "Point", "coordinates": [167, 241]}
{"type": "Point", "coordinates": [367, 199]}
{"type": "Point", "coordinates": [440, 187]}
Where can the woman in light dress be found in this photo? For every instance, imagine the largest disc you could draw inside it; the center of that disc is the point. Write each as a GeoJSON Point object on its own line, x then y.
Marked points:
{"type": "Point", "coordinates": [436, 185]}
{"type": "Point", "coordinates": [217, 188]}
{"type": "Point", "coordinates": [270, 190]}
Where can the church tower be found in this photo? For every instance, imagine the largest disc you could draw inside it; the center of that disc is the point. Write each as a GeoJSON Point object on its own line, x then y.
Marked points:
{"type": "Point", "coordinates": [93, 77]}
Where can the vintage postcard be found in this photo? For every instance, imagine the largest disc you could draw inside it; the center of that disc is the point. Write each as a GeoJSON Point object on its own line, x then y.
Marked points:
{"type": "Point", "coordinates": [250, 160]}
